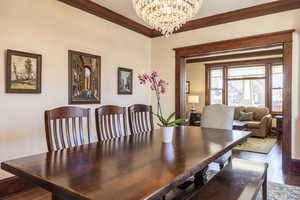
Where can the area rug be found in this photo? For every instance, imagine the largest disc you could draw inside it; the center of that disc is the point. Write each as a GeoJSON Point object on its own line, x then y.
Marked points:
{"type": "Point", "coordinates": [257, 145]}
{"type": "Point", "coordinates": [276, 191]}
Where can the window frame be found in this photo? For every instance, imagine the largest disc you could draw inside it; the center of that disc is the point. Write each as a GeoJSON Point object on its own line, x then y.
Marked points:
{"type": "Point", "coordinates": [272, 88]}
{"type": "Point", "coordinates": [268, 63]}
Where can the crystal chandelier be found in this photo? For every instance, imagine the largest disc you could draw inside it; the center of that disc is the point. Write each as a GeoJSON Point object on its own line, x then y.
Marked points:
{"type": "Point", "coordinates": [166, 16]}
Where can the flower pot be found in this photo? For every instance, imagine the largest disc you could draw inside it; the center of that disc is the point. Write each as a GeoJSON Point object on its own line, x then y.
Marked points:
{"type": "Point", "coordinates": [167, 136]}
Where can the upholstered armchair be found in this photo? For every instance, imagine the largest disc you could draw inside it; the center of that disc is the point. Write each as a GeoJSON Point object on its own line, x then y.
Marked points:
{"type": "Point", "coordinates": [261, 123]}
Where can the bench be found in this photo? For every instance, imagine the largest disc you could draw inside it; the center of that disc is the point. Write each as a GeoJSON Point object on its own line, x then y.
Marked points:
{"type": "Point", "coordinates": [239, 180]}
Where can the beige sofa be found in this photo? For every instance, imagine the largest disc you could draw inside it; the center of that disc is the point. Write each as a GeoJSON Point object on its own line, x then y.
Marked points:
{"type": "Point", "coordinates": [262, 122]}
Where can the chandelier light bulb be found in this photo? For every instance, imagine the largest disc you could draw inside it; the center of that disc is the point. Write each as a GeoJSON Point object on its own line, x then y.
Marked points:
{"type": "Point", "coordinates": [166, 16]}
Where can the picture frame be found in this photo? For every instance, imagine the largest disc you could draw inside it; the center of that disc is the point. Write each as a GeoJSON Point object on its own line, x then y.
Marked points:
{"type": "Point", "coordinates": [84, 78]}
{"type": "Point", "coordinates": [188, 87]}
{"type": "Point", "coordinates": [125, 81]}
{"type": "Point", "coordinates": [23, 72]}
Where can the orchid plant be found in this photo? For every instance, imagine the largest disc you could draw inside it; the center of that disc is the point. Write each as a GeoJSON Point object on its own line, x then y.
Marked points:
{"type": "Point", "coordinates": [159, 86]}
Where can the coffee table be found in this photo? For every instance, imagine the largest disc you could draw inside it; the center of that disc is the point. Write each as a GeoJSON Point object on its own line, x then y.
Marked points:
{"type": "Point", "coordinates": [238, 125]}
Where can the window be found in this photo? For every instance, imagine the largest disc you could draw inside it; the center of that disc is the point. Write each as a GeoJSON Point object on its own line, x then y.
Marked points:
{"type": "Point", "coordinates": [250, 83]}
{"type": "Point", "coordinates": [216, 86]}
{"type": "Point", "coordinates": [246, 86]}
{"type": "Point", "coordinates": [277, 88]}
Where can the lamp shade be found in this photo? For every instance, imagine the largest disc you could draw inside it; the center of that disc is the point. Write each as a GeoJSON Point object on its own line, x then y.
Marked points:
{"type": "Point", "coordinates": [193, 99]}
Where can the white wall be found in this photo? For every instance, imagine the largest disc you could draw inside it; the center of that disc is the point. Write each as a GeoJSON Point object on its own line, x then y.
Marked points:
{"type": "Point", "coordinates": [163, 57]}
{"type": "Point", "coordinates": [51, 28]}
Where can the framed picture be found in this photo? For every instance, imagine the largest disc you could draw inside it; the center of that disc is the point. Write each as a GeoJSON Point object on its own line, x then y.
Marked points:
{"type": "Point", "coordinates": [84, 78]}
{"type": "Point", "coordinates": [188, 87]}
{"type": "Point", "coordinates": [23, 72]}
{"type": "Point", "coordinates": [125, 81]}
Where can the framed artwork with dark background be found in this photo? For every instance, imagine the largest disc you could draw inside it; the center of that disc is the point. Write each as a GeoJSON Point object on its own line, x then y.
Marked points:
{"type": "Point", "coordinates": [23, 72]}
{"type": "Point", "coordinates": [125, 76]}
{"type": "Point", "coordinates": [84, 78]}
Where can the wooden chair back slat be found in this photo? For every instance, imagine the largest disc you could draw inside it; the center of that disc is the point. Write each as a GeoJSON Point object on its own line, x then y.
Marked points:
{"type": "Point", "coordinates": [81, 130]}
{"type": "Point", "coordinates": [140, 118]}
{"type": "Point", "coordinates": [68, 132]}
{"type": "Point", "coordinates": [61, 134]}
{"type": "Point", "coordinates": [146, 120]}
{"type": "Point", "coordinates": [107, 125]}
{"type": "Point", "coordinates": [74, 131]}
{"type": "Point", "coordinates": [55, 134]}
{"type": "Point", "coordinates": [101, 128]}
{"type": "Point", "coordinates": [106, 133]}
{"type": "Point", "coordinates": [119, 122]}
{"type": "Point", "coordinates": [58, 136]}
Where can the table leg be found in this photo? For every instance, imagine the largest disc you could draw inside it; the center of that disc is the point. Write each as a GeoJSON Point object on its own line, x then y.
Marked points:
{"type": "Point", "coordinates": [55, 197]}
{"type": "Point", "coordinates": [201, 177]}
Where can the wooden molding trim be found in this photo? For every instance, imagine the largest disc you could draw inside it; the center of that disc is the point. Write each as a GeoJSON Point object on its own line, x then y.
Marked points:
{"type": "Point", "coordinates": [247, 62]}
{"type": "Point", "coordinates": [296, 166]}
{"type": "Point", "coordinates": [251, 12]}
{"type": "Point", "coordinates": [239, 43]}
{"type": "Point", "coordinates": [100, 11]}
{"type": "Point", "coordinates": [13, 185]}
{"type": "Point", "coordinates": [236, 56]}
{"type": "Point", "coordinates": [237, 15]}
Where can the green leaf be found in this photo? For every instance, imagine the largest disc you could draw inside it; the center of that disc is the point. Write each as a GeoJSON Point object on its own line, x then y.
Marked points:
{"type": "Point", "coordinates": [171, 116]}
{"type": "Point", "coordinates": [160, 125]}
{"type": "Point", "coordinates": [161, 119]}
{"type": "Point", "coordinates": [178, 121]}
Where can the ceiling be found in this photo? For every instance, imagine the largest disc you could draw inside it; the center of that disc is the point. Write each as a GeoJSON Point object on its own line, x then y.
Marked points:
{"type": "Point", "coordinates": [209, 8]}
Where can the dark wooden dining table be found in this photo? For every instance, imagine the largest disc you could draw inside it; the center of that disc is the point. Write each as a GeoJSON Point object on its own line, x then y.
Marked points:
{"type": "Point", "coordinates": [132, 167]}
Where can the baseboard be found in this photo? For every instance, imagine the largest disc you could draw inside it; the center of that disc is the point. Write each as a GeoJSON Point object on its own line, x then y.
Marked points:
{"type": "Point", "coordinates": [296, 166]}
{"type": "Point", "coordinates": [13, 185]}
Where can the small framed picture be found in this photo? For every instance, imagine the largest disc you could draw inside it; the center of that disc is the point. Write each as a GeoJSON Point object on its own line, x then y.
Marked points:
{"type": "Point", "coordinates": [23, 72]}
{"type": "Point", "coordinates": [84, 78]}
{"type": "Point", "coordinates": [125, 81]}
{"type": "Point", "coordinates": [188, 87]}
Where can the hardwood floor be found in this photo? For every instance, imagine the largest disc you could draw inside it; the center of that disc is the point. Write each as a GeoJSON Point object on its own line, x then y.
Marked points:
{"type": "Point", "coordinates": [274, 158]}
{"type": "Point", "coordinates": [32, 194]}
{"type": "Point", "coordinates": [275, 174]}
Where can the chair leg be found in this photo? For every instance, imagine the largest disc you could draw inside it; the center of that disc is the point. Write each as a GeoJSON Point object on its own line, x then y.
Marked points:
{"type": "Point", "coordinates": [264, 188]}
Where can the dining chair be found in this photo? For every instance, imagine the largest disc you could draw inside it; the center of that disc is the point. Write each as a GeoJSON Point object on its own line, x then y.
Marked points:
{"type": "Point", "coordinates": [111, 122]}
{"type": "Point", "coordinates": [67, 127]}
{"type": "Point", "coordinates": [140, 118]}
{"type": "Point", "coordinates": [218, 116]}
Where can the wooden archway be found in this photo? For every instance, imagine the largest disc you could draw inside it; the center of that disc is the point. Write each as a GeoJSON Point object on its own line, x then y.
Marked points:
{"type": "Point", "coordinates": [285, 38]}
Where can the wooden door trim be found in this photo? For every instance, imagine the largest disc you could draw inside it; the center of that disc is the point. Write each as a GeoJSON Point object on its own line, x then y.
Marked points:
{"type": "Point", "coordinates": [283, 37]}
{"type": "Point", "coordinates": [236, 56]}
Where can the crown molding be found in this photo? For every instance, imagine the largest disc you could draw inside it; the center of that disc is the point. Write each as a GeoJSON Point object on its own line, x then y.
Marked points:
{"type": "Point", "coordinates": [237, 15]}
{"type": "Point", "coordinates": [246, 13]}
{"type": "Point", "coordinates": [102, 12]}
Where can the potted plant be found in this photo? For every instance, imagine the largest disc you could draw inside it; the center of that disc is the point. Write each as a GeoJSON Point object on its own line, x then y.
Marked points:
{"type": "Point", "coordinates": [159, 86]}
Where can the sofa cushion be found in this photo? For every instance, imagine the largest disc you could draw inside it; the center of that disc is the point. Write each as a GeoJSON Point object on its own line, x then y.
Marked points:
{"type": "Point", "coordinates": [253, 124]}
{"type": "Point", "coordinates": [246, 116]}
{"type": "Point", "coordinates": [237, 111]}
{"type": "Point", "coordinates": [259, 113]}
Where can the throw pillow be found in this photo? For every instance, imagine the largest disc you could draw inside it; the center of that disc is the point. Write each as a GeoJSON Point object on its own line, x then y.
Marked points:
{"type": "Point", "coordinates": [246, 116]}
